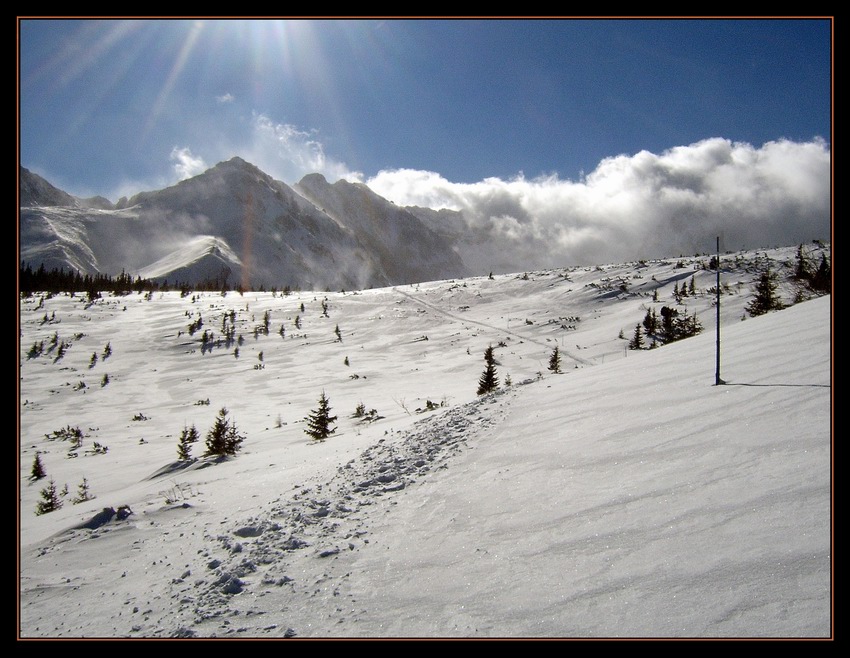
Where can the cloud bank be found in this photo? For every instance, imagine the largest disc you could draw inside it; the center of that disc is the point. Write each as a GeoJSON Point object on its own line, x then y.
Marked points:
{"type": "Point", "coordinates": [639, 206]}
{"type": "Point", "coordinates": [644, 205]}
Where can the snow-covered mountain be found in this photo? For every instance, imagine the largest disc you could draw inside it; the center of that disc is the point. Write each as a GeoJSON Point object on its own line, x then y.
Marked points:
{"type": "Point", "coordinates": [483, 249]}
{"type": "Point", "coordinates": [35, 191]}
{"type": "Point", "coordinates": [266, 234]}
{"type": "Point", "coordinates": [626, 497]}
{"type": "Point", "coordinates": [405, 247]}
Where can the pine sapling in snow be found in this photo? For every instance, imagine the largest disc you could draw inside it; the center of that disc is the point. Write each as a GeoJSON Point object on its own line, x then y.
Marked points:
{"type": "Point", "coordinates": [50, 499]}
{"type": "Point", "coordinates": [223, 438]}
{"type": "Point", "coordinates": [38, 471]}
{"type": "Point", "coordinates": [637, 343]}
{"type": "Point", "coordinates": [83, 493]}
{"type": "Point", "coordinates": [555, 361]}
{"type": "Point", "coordinates": [188, 436]}
{"type": "Point", "coordinates": [319, 421]}
{"type": "Point", "coordinates": [767, 298]}
{"type": "Point", "coordinates": [489, 381]}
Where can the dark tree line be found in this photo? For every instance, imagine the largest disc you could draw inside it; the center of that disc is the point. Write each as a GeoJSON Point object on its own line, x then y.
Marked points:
{"type": "Point", "coordinates": [59, 280]}
{"type": "Point", "coordinates": [672, 326]}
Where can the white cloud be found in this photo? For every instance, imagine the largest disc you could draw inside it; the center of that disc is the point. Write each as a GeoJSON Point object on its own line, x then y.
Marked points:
{"type": "Point", "coordinates": [288, 153]}
{"type": "Point", "coordinates": [225, 98]}
{"type": "Point", "coordinates": [186, 164]}
{"type": "Point", "coordinates": [642, 205]}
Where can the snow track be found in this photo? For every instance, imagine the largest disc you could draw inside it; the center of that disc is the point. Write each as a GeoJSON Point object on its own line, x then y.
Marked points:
{"type": "Point", "coordinates": [279, 553]}
{"type": "Point", "coordinates": [501, 330]}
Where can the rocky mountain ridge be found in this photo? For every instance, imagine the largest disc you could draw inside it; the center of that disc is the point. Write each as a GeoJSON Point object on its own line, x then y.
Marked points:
{"type": "Point", "coordinates": [236, 225]}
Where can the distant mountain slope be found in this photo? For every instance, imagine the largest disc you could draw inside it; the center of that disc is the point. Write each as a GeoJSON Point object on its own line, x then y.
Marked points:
{"type": "Point", "coordinates": [56, 238]}
{"type": "Point", "coordinates": [35, 191]}
{"type": "Point", "coordinates": [408, 250]}
{"type": "Point", "coordinates": [206, 257]}
{"type": "Point", "coordinates": [482, 250]}
{"type": "Point", "coordinates": [279, 238]}
{"type": "Point", "coordinates": [256, 230]}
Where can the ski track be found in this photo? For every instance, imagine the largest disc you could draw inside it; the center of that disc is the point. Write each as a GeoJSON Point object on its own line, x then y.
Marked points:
{"type": "Point", "coordinates": [466, 320]}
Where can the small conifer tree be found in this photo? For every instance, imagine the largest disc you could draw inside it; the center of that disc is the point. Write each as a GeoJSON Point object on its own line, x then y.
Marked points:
{"type": "Point", "coordinates": [489, 380]}
{"type": "Point", "coordinates": [319, 421]}
{"type": "Point", "coordinates": [687, 326]}
{"type": "Point", "coordinates": [188, 436]}
{"type": "Point", "coordinates": [38, 471]}
{"type": "Point", "coordinates": [802, 271]}
{"type": "Point", "coordinates": [821, 280]}
{"type": "Point", "coordinates": [669, 332]}
{"type": "Point", "coordinates": [555, 361]}
{"type": "Point", "coordinates": [766, 298]}
{"type": "Point", "coordinates": [83, 493]}
{"type": "Point", "coordinates": [636, 343]}
{"type": "Point", "coordinates": [650, 322]}
{"type": "Point", "coordinates": [223, 438]}
{"type": "Point", "coordinates": [50, 499]}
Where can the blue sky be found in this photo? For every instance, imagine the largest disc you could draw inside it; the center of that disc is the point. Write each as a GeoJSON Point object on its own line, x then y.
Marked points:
{"type": "Point", "coordinates": [563, 136]}
{"type": "Point", "coordinates": [105, 103]}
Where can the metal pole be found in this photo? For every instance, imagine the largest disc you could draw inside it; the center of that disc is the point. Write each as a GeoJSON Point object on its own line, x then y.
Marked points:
{"type": "Point", "coordinates": [717, 380]}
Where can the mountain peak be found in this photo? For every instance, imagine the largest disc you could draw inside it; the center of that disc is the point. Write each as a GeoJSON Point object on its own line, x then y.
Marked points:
{"type": "Point", "coordinates": [313, 179]}
{"type": "Point", "coordinates": [284, 236]}
{"type": "Point", "coordinates": [237, 164]}
{"type": "Point", "coordinates": [36, 191]}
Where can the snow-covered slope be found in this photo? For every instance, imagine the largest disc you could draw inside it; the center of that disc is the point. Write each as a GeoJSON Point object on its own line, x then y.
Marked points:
{"type": "Point", "coordinates": [56, 237]}
{"type": "Point", "coordinates": [626, 497]}
{"type": "Point", "coordinates": [205, 258]}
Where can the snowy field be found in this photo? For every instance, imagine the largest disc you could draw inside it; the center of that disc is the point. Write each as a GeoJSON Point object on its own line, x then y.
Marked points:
{"type": "Point", "coordinates": [625, 497]}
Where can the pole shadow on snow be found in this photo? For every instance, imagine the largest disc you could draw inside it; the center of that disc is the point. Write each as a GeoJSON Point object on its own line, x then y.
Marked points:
{"type": "Point", "coordinates": [795, 385]}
